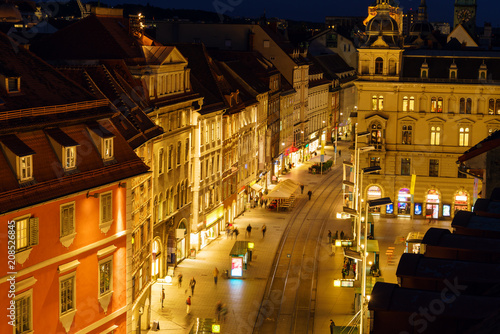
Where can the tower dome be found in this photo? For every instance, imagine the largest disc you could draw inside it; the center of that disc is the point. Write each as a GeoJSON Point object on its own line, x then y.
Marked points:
{"type": "Point", "coordinates": [382, 29]}
{"type": "Point", "coordinates": [9, 13]}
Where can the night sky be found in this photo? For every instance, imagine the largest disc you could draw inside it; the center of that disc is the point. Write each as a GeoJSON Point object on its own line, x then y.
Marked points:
{"type": "Point", "coordinates": [316, 10]}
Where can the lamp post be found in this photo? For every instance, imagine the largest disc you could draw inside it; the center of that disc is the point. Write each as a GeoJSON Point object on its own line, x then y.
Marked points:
{"type": "Point", "coordinates": [369, 204]}
{"type": "Point", "coordinates": [359, 189]}
{"type": "Point", "coordinates": [356, 180]}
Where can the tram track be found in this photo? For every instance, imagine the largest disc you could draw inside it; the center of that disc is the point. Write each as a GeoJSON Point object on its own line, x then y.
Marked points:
{"type": "Point", "coordinates": [288, 305]}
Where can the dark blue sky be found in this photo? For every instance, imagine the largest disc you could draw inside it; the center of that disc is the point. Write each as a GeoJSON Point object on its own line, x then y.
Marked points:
{"type": "Point", "coordinates": [316, 10]}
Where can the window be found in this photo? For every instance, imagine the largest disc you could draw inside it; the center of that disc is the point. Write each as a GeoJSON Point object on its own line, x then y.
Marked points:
{"type": "Point", "coordinates": [376, 135]}
{"type": "Point", "coordinates": [161, 161]}
{"type": "Point", "coordinates": [468, 106]}
{"type": "Point", "coordinates": [405, 103]}
{"type": "Point", "coordinates": [67, 219]}
{"type": "Point", "coordinates": [375, 162]}
{"type": "Point", "coordinates": [107, 152]}
{"type": "Point", "coordinates": [206, 134]}
{"type": "Point", "coordinates": [462, 105]}
{"type": "Point", "coordinates": [218, 131]}
{"type": "Point", "coordinates": [170, 153]}
{"type": "Point", "coordinates": [412, 103]}
{"type": "Point", "coordinates": [379, 65]}
{"type": "Point", "coordinates": [67, 293]}
{"type": "Point", "coordinates": [13, 85]}
{"type": "Point", "coordinates": [69, 157]}
{"type": "Point", "coordinates": [497, 107]}
{"type": "Point", "coordinates": [380, 103]}
{"type": "Point", "coordinates": [435, 135]}
{"type": "Point", "coordinates": [463, 139]}
{"type": "Point", "coordinates": [106, 207]}
{"type": "Point", "coordinates": [105, 276]}
{"type": "Point", "coordinates": [374, 102]}
{"type": "Point", "coordinates": [24, 307]}
{"type": "Point", "coordinates": [407, 134]}
{"type": "Point", "coordinates": [405, 166]}
{"type": "Point", "coordinates": [437, 104]}
{"type": "Point", "coordinates": [434, 167]}
{"type": "Point", "coordinates": [377, 103]}
{"type": "Point", "coordinates": [26, 232]}
{"type": "Point", "coordinates": [491, 107]}
{"type": "Point", "coordinates": [186, 151]}
{"type": "Point", "coordinates": [423, 73]}
{"type": "Point", "coordinates": [433, 104]}
{"type": "Point", "coordinates": [212, 129]}
{"type": "Point", "coordinates": [25, 168]}
{"type": "Point", "coordinates": [179, 151]}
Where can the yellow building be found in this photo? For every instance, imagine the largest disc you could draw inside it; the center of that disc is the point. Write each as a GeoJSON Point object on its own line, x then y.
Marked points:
{"type": "Point", "coordinates": [422, 109]}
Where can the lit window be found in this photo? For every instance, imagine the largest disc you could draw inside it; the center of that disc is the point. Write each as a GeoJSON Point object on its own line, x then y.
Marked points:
{"type": "Point", "coordinates": [107, 152]}
{"type": "Point", "coordinates": [106, 207]}
{"type": "Point", "coordinates": [374, 102]}
{"type": "Point", "coordinates": [412, 103]}
{"type": "Point", "coordinates": [463, 136]}
{"type": "Point", "coordinates": [24, 309]}
{"type": "Point", "coordinates": [405, 103]}
{"type": "Point", "coordinates": [439, 105]}
{"type": "Point", "coordinates": [105, 276]}
{"type": "Point", "coordinates": [67, 219]}
{"type": "Point", "coordinates": [491, 107]}
{"type": "Point", "coordinates": [69, 157]}
{"type": "Point", "coordinates": [26, 232]}
{"type": "Point", "coordinates": [380, 103]}
{"type": "Point", "coordinates": [433, 104]}
{"type": "Point", "coordinates": [67, 293]}
{"type": "Point", "coordinates": [435, 135]}
{"type": "Point", "coordinates": [25, 168]}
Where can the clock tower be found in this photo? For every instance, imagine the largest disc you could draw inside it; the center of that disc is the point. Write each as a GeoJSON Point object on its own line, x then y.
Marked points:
{"type": "Point", "coordinates": [465, 14]}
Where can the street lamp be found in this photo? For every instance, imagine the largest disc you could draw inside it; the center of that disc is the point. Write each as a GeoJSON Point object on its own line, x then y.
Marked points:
{"type": "Point", "coordinates": [358, 184]}
{"type": "Point", "coordinates": [364, 301]}
{"type": "Point", "coordinates": [366, 170]}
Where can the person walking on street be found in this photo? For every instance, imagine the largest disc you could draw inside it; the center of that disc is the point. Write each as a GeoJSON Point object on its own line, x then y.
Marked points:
{"type": "Point", "coordinates": [341, 235]}
{"type": "Point", "coordinates": [179, 278]}
{"type": "Point", "coordinates": [309, 193]}
{"type": "Point", "coordinates": [216, 275]}
{"type": "Point", "coordinates": [336, 234]}
{"type": "Point", "coordinates": [162, 297]}
{"type": "Point", "coordinates": [264, 230]}
{"type": "Point", "coordinates": [249, 230]}
{"type": "Point", "coordinates": [192, 284]}
{"type": "Point", "coordinates": [340, 153]}
{"type": "Point", "coordinates": [236, 232]}
{"type": "Point", "coordinates": [218, 309]}
{"type": "Point", "coordinates": [329, 236]}
{"type": "Point", "coordinates": [301, 189]}
{"type": "Point", "coordinates": [188, 304]}
{"type": "Point", "coordinates": [332, 326]}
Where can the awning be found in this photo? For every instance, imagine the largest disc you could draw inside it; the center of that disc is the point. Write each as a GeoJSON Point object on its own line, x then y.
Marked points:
{"type": "Point", "coordinates": [257, 187]}
{"type": "Point", "coordinates": [282, 190]}
{"type": "Point", "coordinates": [352, 254]}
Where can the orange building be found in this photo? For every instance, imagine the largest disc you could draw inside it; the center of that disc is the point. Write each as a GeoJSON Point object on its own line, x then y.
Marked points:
{"type": "Point", "coordinates": [65, 223]}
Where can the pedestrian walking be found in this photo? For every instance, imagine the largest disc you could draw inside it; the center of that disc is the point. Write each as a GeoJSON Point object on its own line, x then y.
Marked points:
{"type": "Point", "coordinates": [329, 236]}
{"type": "Point", "coordinates": [179, 280]}
{"type": "Point", "coordinates": [192, 284]}
{"type": "Point", "coordinates": [228, 230]}
{"type": "Point", "coordinates": [341, 235]}
{"type": "Point", "coordinates": [264, 230]}
{"type": "Point", "coordinates": [218, 309]}
{"type": "Point", "coordinates": [309, 193]}
{"type": "Point", "coordinates": [340, 153]}
{"type": "Point", "coordinates": [336, 234]}
{"type": "Point", "coordinates": [236, 232]}
{"type": "Point", "coordinates": [332, 326]}
{"type": "Point", "coordinates": [343, 273]}
{"type": "Point", "coordinates": [188, 305]}
{"type": "Point", "coordinates": [301, 189]}
{"type": "Point", "coordinates": [249, 230]}
{"type": "Point", "coordinates": [354, 269]}
{"type": "Point", "coordinates": [216, 275]}
{"type": "Point", "coordinates": [162, 297]}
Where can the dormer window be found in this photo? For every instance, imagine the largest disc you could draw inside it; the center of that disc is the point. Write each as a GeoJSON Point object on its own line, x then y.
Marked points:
{"type": "Point", "coordinates": [25, 168]}
{"type": "Point", "coordinates": [107, 152]}
{"type": "Point", "coordinates": [69, 157]}
{"type": "Point", "coordinates": [424, 70]}
{"type": "Point", "coordinates": [483, 71]}
{"type": "Point", "coordinates": [13, 85]}
{"type": "Point", "coordinates": [453, 71]}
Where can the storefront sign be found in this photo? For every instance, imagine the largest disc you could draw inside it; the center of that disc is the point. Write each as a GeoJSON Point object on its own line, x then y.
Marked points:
{"type": "Point", "coordinates": [446, 210]}
{"type": "Point", "coordinates": [418, 209]}
{"type": "Point", "coordinates": [236, 266]}
{"type": "Point", "coordinates": [389, 209]}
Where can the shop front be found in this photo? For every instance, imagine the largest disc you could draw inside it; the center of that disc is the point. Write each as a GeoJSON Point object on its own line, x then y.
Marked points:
{"type": "Point", "coordinates": [213, 223]}
{"type": "Point", "coordinates": [404, 202]}
{"type": "Point", "coordinates": [374, 192]}
{"type": "Point", "coordinates": [432, 200]}
{"type": "Point", "coordinates": [460, 201]}
{"type": "Point", "coordinates": [180, 242]}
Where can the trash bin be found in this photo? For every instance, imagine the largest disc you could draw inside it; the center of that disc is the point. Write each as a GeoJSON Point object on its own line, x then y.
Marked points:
{"type": "Point", "coordinates": [226, 274]}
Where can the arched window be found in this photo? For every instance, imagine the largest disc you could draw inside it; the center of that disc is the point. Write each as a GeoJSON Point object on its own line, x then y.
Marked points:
{"type": "Point", "coordinates": [468, 106]}
{"type": "Point", "coordinates": [177, 196]}
{"type": "Point", "coordinates": [462, 105]}
{"type": "Point", "coordinates": [433, 104]}
{"type": "Point", "coordinates": [453, 74]}
{"type": "Point", "coordinates": [424, 74]}
{"type": "Point", "coordinates": [407, 134]}
{"type": "Point", "coordinates": [405, 103]}
{"type": "Point", "coordinates": [497, 107]}
{"type": "Point", "coordinates": [491, 107]}
{"type": "Point", "coordinates": [376, 135]}
{"type": "Point", "coordinates": [483, 75]}
{"type": "Point", "coordinates": [412, 103]}
{"type": "Point", "coordinates": [379, 65]}
{"type": "Point", "coordinates": [170, 154]}
{"type": "Point", "coordinates": [435, 135]}
{"type": "Point", "coordinates": [463, 139]}
{"type": "Point", "coordinates": [380, 103]}
{"type": "Point", "coordinates": [439, 105]}
{"type": "Point", "coordinates": [179, 150]}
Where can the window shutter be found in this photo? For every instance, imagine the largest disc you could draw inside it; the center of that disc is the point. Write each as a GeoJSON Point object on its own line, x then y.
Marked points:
{"type": "Point", "coordinates": [33, 232]}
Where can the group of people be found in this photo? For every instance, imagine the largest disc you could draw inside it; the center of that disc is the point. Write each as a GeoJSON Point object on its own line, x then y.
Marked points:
{"type": "Point", "coordinates": [349, 265]}
{"type": "Point", "coordinates": [233, 230]}
{"type": "Point", "coordinates": [333, 237]}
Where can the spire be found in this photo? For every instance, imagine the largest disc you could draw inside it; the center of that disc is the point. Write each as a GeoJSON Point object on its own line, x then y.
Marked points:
{"type": "Point", "coordinates": [422, 11]}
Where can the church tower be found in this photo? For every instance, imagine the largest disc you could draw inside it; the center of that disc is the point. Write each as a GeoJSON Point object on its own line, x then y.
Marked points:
{"type": "Point", "coordinates": [465, 14]}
